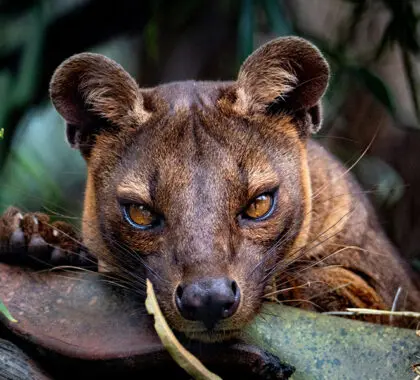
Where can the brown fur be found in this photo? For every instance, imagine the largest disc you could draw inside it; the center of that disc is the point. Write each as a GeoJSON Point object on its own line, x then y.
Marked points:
{"type": "Point", "coordinates": [197, 153]}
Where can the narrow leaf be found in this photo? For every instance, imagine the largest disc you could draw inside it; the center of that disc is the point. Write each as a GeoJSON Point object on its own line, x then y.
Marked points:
{"type": "Point", "coordinates": [6, 313]}
{"type": "Point", "coordinates": [183, 357]}
{"type": "Point", "coordinates": [246, 29]}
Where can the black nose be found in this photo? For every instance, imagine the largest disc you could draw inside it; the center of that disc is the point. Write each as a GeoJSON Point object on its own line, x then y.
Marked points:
{"type": "Point", "coordinates": [208, 300]}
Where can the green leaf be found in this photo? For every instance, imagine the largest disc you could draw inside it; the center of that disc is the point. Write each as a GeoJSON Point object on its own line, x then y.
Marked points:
{"type": "Point", "coordinates": [1, 133]}
{"type": "Point", "coordinates": [6, 313]}
{"type": "Point", "coordinates": [326, 347]}
{"type": "Point", "coordinates": [376, 86]}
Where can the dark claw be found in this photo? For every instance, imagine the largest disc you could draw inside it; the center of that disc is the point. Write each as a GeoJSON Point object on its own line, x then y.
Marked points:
{"type": "Point", "coordinates": [57, 257]}
{"type": "Point", "coordinates": [38, 248]}
{"type": "Point", "coordinates": [17, 241]}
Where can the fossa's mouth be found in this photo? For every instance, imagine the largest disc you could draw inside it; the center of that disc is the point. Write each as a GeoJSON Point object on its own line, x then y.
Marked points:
{"type": "Point", "coordinates": [211, 336]}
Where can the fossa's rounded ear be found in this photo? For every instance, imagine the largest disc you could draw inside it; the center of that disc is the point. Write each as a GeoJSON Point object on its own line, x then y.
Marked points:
{"type": "Point", "coordinates": [287, 74]}
{"type": "Point", "coordinates": [90, 90]}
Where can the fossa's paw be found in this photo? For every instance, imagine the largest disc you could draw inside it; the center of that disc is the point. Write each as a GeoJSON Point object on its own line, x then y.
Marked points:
{"type": "Point", "coordinates": [30, 239]}
{"type": "Point", "coordinates": [265, 365]}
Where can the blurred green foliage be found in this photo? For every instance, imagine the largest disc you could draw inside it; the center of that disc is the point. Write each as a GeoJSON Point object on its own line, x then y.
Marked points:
{"type": "Point", "coordinates": [155, 40]}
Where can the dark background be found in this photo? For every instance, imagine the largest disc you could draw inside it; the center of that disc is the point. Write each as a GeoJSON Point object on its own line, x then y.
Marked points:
{"type": "Point", "coordinates": [372, 109]}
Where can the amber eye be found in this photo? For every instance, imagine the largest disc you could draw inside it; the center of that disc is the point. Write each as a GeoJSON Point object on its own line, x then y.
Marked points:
{"type": "Point", "coordinates": [140, 216]}
{"type": "Point", "coordinates": [260, 207]}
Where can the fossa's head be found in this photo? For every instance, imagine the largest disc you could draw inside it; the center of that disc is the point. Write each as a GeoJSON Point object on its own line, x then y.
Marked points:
{"type": "Point", "coordinates": [202, 187]}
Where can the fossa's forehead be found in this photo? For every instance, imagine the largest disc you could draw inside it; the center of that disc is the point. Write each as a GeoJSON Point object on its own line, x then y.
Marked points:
{"type": "Point", "coordinates": [187, 95]}
{"type": "Point", "coordinates": [200, 138]}
{"type": "Point", "coordinates": [186, 149]}
{"type": "Point", "coordinates": [196, 150]}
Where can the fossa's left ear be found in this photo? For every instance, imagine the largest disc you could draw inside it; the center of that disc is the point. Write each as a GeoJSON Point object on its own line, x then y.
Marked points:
{"type": "Point", "coordinates": [287, 74]}
{"type": "Point", "coordinates": [92, 92]}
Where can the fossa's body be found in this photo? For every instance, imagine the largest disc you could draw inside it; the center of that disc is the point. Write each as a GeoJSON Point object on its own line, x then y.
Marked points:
{"type": "Point", "coordinates": [215, 192]}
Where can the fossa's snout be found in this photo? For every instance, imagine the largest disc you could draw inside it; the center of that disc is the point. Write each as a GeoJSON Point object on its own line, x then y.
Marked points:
{"type": "Point", "coordinates": [208, 300]}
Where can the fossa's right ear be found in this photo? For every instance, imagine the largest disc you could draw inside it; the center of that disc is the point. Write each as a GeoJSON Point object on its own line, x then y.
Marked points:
{"type": "Point", "coordinates": [287, 74]}
{"type": "Point", "coordinates": [91, 91]}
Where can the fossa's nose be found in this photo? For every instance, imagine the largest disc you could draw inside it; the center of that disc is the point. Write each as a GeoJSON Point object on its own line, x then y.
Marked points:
{"type": "Point", "coordinates": [208, 300]}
